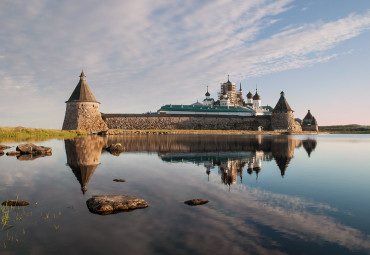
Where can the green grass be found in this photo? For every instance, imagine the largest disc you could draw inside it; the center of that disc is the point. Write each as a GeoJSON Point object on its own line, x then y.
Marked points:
{"type": "Point", "coordinates": [346, 129]}
{"type": "Point", "coordinates": [22, 132]}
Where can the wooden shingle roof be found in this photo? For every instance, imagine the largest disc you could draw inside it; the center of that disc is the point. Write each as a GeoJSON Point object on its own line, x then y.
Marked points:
{"type": "Point", "coordinates": [282, 105]}
{"type": "Point", "coordinates": [82, 92]}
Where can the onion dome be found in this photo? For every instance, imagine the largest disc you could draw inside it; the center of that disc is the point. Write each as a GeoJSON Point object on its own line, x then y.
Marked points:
{"type": "Point", "coordinates": [249, 95]}
{"type": "Point", "coordinates": [207, 93]}
{"type": "Point", "coordinates": [256, 96]}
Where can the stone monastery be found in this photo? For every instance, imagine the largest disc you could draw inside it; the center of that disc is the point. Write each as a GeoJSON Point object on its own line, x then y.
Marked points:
{"type": "Point", "coordinates": [229, 112]}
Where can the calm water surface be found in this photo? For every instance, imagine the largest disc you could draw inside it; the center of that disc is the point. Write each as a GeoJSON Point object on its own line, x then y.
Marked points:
{"type": "Point", "coordinates": [268, 195]}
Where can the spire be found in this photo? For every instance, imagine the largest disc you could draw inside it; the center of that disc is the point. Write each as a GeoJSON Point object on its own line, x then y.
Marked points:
{"type": "Point", "coordinates": [228, 80]}
{"type": "Point", "coordinates": [240, 89]}
{"type": "Point", "coordinates": [82, 75]}
{"type": "Point", "coordinates": [82, 92]}
{"type": "Point", "coordinates": [282, 105]}
{"type": "Point", "coordinates": [207, 93]}
{"type": "Point", "coordinates": [256, 96]}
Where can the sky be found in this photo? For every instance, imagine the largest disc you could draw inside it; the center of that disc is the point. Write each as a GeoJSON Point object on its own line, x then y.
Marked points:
{"type": "Point", "coordinates": [139, 55]}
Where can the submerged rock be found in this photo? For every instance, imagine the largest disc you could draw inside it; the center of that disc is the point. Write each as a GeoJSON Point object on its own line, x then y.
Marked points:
{"type": "Point", "coordinates": [4, 147]}
{"type": "Point", "coordinates": [119, 180]}
{"type": "Point", "coordinates": [13, 153]}
{"type": "Point", "coordinates": [116, 149]}
{"type": "Point", "coordinates": [30, 148]}
{"type": "Point", "coordinates": [197, 201]}
{"type": "Point", "coordinates": [108, 204]}
{"type": "Point", "coordinates": [15, 203]}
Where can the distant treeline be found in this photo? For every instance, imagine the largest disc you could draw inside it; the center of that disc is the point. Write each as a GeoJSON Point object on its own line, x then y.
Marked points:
{"type": "Point", "coordinates": [353, 128]}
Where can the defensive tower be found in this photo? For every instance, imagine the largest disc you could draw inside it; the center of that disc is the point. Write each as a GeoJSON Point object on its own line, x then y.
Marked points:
{"type": "Point", "coordinates": [82, 112]}
{"type": "Point", "coordinates": [282, 117]}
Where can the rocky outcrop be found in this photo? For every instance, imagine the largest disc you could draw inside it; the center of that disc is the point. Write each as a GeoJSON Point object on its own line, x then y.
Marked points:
{"type": "Point", "coordinates": [15, 203]}
{"type": "Point", "coordinates": [197, 201]}
{"type": "Point", "coordinates": [116, 149]}
{"type": "Point", "coordinates": [108, 204]}
{"type": "Point", "coordinates": [1, 153]}
{"type": "Point", "coordinates": [33, 149]}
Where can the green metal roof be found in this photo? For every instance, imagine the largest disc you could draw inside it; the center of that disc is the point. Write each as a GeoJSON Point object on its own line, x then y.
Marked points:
{"type": "Point", "coordinates": [204, 108]}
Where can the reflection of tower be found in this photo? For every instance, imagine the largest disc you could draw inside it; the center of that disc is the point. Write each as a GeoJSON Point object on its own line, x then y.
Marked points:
{"type": "Point", "coordinates": [83, 157]}
{"type": "Point", "coordinates": [283, 151]}
{"type": "Point", "coordinates": [309, 145]}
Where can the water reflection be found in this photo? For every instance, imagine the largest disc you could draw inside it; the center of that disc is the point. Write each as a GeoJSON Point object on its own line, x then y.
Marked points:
{"type": "Point", "coordinates": [229, 156]}
{"type": "Point", "coordinates": [83, 157]}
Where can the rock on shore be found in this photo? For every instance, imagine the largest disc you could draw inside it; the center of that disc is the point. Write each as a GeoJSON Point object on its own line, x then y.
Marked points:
{"type": "Point", "coordinates": [4, 147]}
{"type": "Point", "coordinates": [197, 201]}
{"type": "Point", "coordinates": [108, 204]}
{"type": "Point", "coordinates": [30, 148]}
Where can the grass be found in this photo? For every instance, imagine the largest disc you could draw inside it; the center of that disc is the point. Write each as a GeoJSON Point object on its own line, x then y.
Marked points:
{"type": "Point", "coordinates": [346, 129]}
{"type": "Point", "coordinates": [24, 133]}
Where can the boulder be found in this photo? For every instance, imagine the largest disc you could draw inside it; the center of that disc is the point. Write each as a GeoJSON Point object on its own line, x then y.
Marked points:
{"type": "Point", "coordinates": [1, 153]}
{"type": "Point", "coordinates": [30, 148]}
{"type": "Point", "coordinates": [109, 204]}
{"type": "Point", "coordinates": [119, 180]}
{"type": "Point", "coordinates": [15, 203]}
{"type": "Point", "coordinates": [116, 149]}
{"type": "Point", "coordinates": [13, 153]}
{"type": "Point", "coordinates": [4, 147]}
{"type": "Point", "coordinates": [197, 201]}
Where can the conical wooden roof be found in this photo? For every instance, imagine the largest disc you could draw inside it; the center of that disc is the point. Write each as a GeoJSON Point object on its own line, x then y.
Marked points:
{"type": "Point", "coordinates": [282, 105]}
{"type": "Point", "coordinates": [82, 92]}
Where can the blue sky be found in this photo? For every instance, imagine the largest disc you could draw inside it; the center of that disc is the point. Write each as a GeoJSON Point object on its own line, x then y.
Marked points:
{"type": "Point", "coordinates": [139, 55]}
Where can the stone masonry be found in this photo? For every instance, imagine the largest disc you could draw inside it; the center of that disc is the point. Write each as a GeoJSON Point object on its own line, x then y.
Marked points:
{"type": "Point", "coordinates": [206, 122]}
{"type": "Point", "coordinates": [83, 116]}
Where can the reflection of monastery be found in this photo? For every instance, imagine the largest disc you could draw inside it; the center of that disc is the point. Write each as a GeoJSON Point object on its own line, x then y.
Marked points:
{"type": "Point", "coordinates": [230, 156]}
{"type": "Point", "coordinates": [229, 111]}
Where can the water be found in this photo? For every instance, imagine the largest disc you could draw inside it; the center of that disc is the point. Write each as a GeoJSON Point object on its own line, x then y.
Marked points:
{"type": "Point", "coordinates": [268, 195]}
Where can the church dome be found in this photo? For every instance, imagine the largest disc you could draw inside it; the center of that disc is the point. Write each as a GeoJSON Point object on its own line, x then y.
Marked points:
{"type": "Point", "coordinates": [256, 96]}
{"type": "Point", "coordinates": [249, 95]}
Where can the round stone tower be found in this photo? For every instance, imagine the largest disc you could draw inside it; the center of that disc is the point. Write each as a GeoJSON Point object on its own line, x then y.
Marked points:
{"type": "Point", "coordinates": [82, 112]}
{"type": "Point", "coordinates": [282, 117]}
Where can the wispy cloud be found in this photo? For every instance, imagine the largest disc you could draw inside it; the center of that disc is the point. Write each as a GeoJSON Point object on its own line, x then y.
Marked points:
{"type": "Point", "coordinates": [157, 49]}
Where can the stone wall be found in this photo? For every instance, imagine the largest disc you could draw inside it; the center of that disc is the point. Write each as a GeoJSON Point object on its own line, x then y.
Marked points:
{"type": "Point", "coordinates": [177, 121]}
{"type": "Point", "coordinates": [84, 116]}
{"type": "Point", "coordinates": [314, 128]}
{"type": "Point", "coordinates": [284, 121]}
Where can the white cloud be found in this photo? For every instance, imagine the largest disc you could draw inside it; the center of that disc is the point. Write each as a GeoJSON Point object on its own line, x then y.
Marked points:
{"type": "Point", "coordinates": [157, 49]}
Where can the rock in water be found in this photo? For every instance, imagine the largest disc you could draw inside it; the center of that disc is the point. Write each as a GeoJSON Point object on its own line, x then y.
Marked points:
{"type": "Point", "coordinates": [116, 149]}
{"type": "Point", "coordinates": [119, 180]}
{"type": "Point", "coordinates": [15, 203]}
{"type": "Point", "coordinates": [30, 148]}
{"type": "Point", "coordinates": [1, 153]}
{"type": "Point", "coordinates": [4, 147]}
{"type": "Point", "coordinates": [13, 153]}
{"type": "Point", "coordinates": [108, 204]}
{"type": "Point", "coordinates": [197, 201]}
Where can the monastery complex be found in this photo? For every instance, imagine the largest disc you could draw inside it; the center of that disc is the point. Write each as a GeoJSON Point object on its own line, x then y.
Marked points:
{"type": "Point", "coordinates": [230, 111]}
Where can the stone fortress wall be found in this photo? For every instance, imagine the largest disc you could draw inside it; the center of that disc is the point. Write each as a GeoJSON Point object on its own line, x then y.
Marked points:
{"type": "Point", "coordinates": [83, 116]}
{"type": "Point", "coordinates": [178, 121]}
